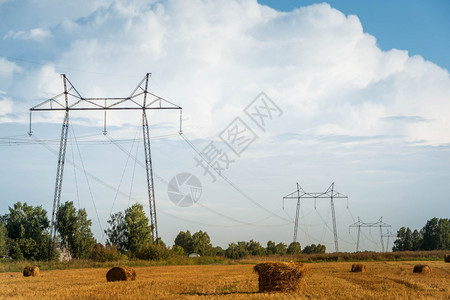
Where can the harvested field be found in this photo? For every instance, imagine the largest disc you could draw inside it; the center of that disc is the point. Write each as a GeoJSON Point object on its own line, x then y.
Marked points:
{"type": "Point", "coordinates": [382, 280]}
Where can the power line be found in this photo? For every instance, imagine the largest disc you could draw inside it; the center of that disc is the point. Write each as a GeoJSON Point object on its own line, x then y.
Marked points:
{"type": "Point", "coordinates": [71, 100]}
{"type": "Point", "coordinates": [234, 186]}
{"type": "Point", "coordinates": [330, 193]}
{"type": "Point", "coordinates": [360, 224]}
{"type": "Point", "coordinates": [87, 181]}
{"type": "Point", "coordinates": [245, 223]}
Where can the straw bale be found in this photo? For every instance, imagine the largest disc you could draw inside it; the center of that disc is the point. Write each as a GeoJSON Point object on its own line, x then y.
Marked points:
{"type": "Point", "coordinates": [447, 258]}
{"type": "Point", "coordinates": [422, 269]}
{"type": "Point", "coordinates": [358, 268]}
{"type": "Point", "coordinates": [31, 271]}
{"type": "Point", "coordinates": [280, 276]}
{"type": "Point", "coordinates": [121, 274]}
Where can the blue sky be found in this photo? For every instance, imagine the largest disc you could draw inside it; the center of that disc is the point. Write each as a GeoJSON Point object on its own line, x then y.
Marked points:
{"type": "Point", "coordinates": [421, 27]}
{"type": "Point", "coordinates": [358, 91]}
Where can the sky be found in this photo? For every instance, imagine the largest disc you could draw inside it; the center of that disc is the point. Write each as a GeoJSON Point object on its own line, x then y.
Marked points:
{"type": "Point", "coordinates": [273, 93]}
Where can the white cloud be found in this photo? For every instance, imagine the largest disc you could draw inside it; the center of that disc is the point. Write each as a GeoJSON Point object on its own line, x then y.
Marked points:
{"type": "Point", "coordinates": [350, 110]}
{"type": "Point", "coordinates": [7, 68]}
{"type": "Point", "coordinates": [214, 57]}
{"type": "Point", "coordinates": [6, 106]}
{"type": "Point", "coordinates": [35, 34]}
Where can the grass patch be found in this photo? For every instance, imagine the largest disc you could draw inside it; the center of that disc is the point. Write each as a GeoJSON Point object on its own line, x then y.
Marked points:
{"type": "Point", "coordinates": [436, 255]}
{"type": "Point", "coordinates": [17, 266]}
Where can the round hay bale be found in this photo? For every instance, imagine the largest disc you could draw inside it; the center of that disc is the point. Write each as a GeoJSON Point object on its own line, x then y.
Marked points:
{"type": "Point", "coordinates": [358, 268]}
{"type": "Point", "coordinates": [280, 276]}
{"type": "Point", "coordinates": [121, 274]}
{"type": "Point", "coordinates": [447, 258]}
{"type": "Point", "coordinates": [422, 269]}
{"type": "Point", "coordinates": [31, 271]}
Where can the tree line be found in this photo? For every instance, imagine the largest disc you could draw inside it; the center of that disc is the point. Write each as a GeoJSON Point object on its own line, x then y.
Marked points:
{"type": "Point", "coordinates": [25, 234]}
{"type": "Point", "coordinates": [435, 235]}
{"type": "Point", "coordinates": [199, 243]}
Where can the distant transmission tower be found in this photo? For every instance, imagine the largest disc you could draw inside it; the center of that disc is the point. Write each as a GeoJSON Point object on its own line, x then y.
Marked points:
{"type": "Point", "coordinates": [330, 193]}
{"type": "Point", "coordinates": [71, 100]}
{"type": "Point", "coordinates": [387, 235]}
{"type": "Point", "coordinates": [360, 224]}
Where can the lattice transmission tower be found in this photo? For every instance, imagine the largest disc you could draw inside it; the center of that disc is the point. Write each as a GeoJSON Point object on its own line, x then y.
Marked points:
{"type": "Point", "coordinates": [71, 100]}
{"type": "Point", "coordinates": [379, 224]}
{"type": "Point", "coordinates": [330, 193]}
{"type": "Point", "coordinates": [388, 235]}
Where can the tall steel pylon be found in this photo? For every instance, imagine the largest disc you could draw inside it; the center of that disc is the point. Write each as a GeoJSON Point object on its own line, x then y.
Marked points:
{"type": "Point", "coordinates": [140, 99]}
{"type": "Point", "coordinates": [360, 224]}
{"type": "Point", "coordinates": [330, 193]}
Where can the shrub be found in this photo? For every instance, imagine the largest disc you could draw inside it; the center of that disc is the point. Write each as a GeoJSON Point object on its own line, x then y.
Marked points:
{"type": "Point", "coordinates": [101, 253]}
{"type": "Point", "coordinates": [236, 251]}
{"type": "Point", "coordinates": [15, 252]}
{"type": "Point", "coordinates": [178, 250]}
{"type": "Point", "coordinates": [152, 252]}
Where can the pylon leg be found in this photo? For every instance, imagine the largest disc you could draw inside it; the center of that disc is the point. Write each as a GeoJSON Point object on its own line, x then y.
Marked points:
{"type": "Point", "coordinates": [58, 184]}
{"type": "Point", "coordinates": [149, 170]}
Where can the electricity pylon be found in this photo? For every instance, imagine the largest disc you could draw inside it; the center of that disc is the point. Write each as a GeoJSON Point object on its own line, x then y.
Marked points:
{"type": "Point", "coordinates": [360, 224]}
{"type": "Point", "coordinates": [330, 193]}
{"type": "Point", "coordinates": [71, 100]}
{"type": "Point", "coordinates": [387, 235]}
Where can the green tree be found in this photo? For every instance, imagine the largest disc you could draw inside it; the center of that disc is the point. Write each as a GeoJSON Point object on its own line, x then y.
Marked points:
{"type": "Point", "coordinates": [14, 250]}
{"type": "Point", "coordinates": [321, 248]}
{"type": "Point", "coordinates": [294, 248]}
{"type": "Point", "coordinates": [184, 240]}
{"type": "Point", "coordinates": [236, 251]}
{"type": "Point", "coordinates": [75, 230]}
{"type": "Point", "coordinates": [218, 251]}
{"type": "Point", "coordinates": [116, 232]}
{"type": "Point", "coordinates": [3, 238]}
{"type": "Point", "coordinates": [281, 249]}
{"type": "Point", "coordinates": [138, 232]}
{"type": "Point", "coordinates": [404, 241]}
{"type": "Point", "coordinates": [431, 234]}
{"type": "Point", "coordinates": [416, 239]}
{"type": "Point", "coordinates": [436, 234]}
{"type": "Point", "coordinates": [255, 248]}
{"type": "Point", "coordinates": [27, 228]}
{"type": "Point", "coordinates": [102, 253]}
{"type": "Point", "coordinates": [150, 251]}
{"type": "Point", "coordinates": [201, 243]}
{"type": "Point", "coordinates": [178, 250]}
{"type": "Point", "coordinates": [313, 248]}
{"type": "Point", "coordinates": [444, 234]}
{"type": "Point", "coordinates": [270, 249]}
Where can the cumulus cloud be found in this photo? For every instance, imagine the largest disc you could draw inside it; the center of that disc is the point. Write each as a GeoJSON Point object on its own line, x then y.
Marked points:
{"type": "Point", "coordinates": [214, 57]}
{"type": "Point", "coordinates": [6, 105]}
{"type": "Point", "coordinates": [350, 110]}
{"type": "Point", "coordinates": [7, 68]}
{"type": "Point", "coordinates": [35, 34]}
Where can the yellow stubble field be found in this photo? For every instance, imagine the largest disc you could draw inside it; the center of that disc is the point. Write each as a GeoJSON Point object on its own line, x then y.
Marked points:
{"type": "Point", "coordinates": [383, 280]}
